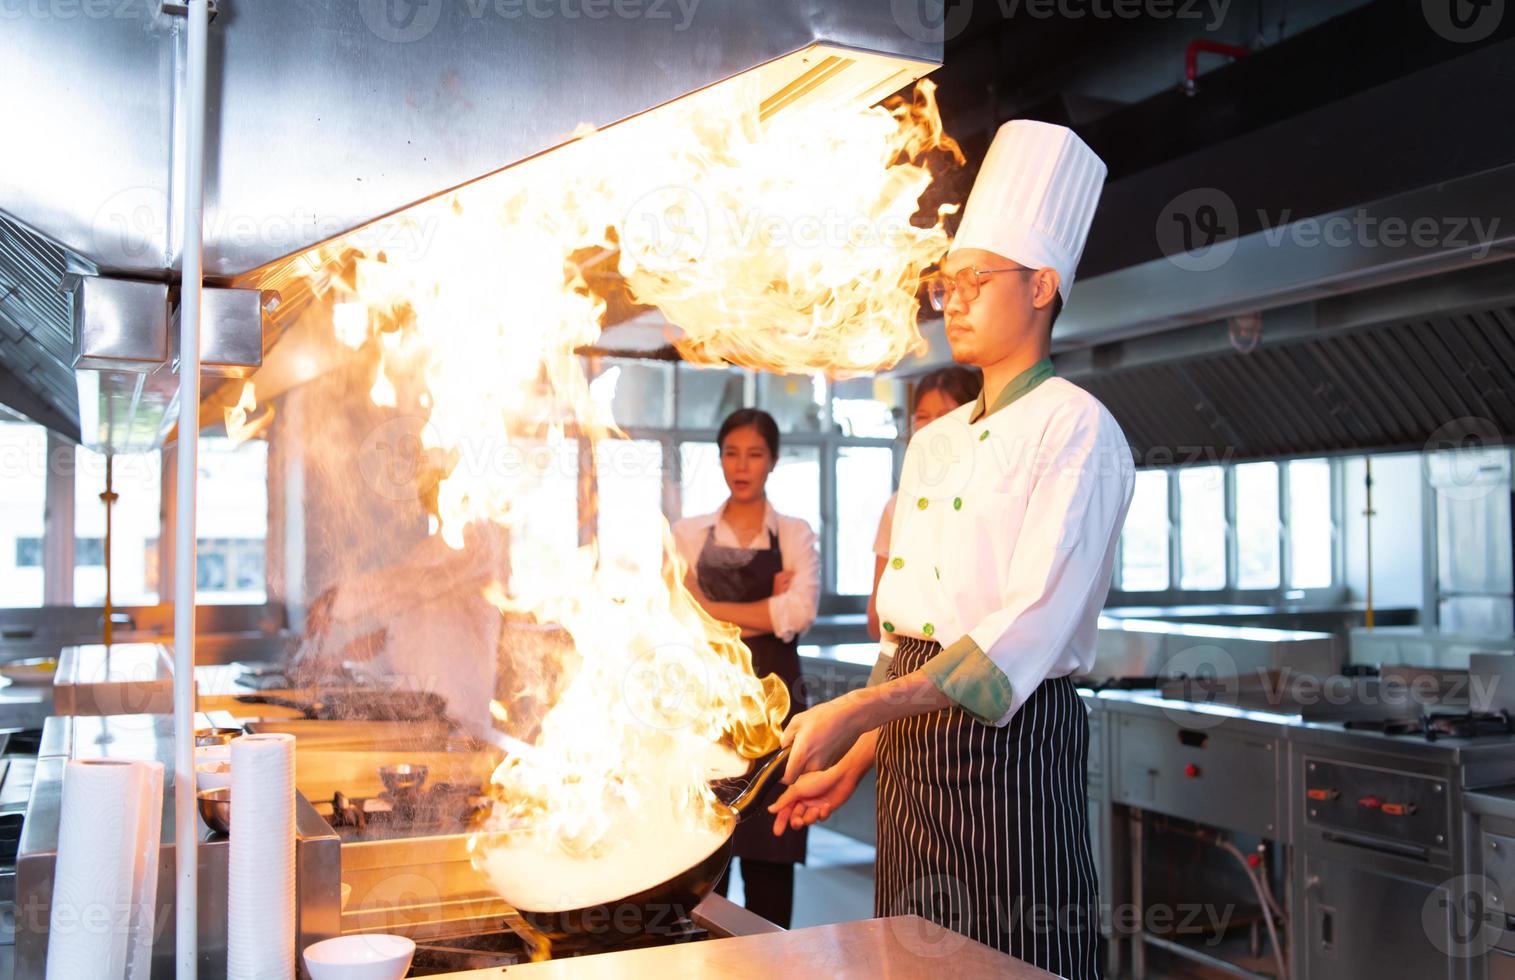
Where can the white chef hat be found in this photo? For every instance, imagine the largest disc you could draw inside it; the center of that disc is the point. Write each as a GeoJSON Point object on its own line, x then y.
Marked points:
{"type": "Point", "coordinates": [1034, 198]}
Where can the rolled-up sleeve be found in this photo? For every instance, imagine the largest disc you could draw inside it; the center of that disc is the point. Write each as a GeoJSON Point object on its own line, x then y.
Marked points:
{"type": "Point", "coordinates": [1059, 571]}
{"type": "Point", "coordinates": [793, 610]}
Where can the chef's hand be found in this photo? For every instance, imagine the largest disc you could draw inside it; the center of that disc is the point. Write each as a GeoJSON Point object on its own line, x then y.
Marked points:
{"type": "Point", "coordinates": [821, 736]}
{"type": "Point", "coordinates": [814, 796]}
{"type": "Point", "coordinates": [782, 581]}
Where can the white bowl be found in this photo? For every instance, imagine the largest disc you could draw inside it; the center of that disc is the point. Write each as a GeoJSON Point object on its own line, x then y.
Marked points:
{"type": "Point", "coordinates": [212, 753]}
{"type": "Point", "coordinates": [366, 956]}
{"type": "Point", "coordinates": [212, 775]}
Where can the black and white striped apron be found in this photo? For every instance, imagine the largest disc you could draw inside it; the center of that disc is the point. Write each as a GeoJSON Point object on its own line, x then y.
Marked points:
{"type": "Point", "coordinates": [985, 831]}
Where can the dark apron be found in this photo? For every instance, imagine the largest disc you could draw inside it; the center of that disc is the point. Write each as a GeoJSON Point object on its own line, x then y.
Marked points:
{"type": "Point", "coordinates": [985, 830]}
{"type": "Point", "coordinates": [746, 575]}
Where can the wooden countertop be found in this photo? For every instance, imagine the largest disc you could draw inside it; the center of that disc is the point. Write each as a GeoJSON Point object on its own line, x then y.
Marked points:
{"type": "Point", "coordinates": [904, 947]}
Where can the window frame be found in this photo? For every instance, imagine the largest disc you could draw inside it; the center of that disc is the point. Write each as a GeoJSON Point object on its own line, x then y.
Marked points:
{"type": "Point", "coordinates": [1231, 593]}
{"type": "Point", "coordinates": [828, 439]}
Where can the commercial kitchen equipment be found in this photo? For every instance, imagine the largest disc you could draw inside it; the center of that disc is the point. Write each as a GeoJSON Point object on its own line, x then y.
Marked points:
{"type": "Point", "coordinates": [317, 849]}
{"type": "Point", "coordinates": [1365, 821]}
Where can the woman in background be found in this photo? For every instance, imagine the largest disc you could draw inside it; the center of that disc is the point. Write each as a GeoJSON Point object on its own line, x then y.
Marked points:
{"type": "Point", "coordinates": [936, 394]}
{"type": "Point", "coordinates": [758, 569]}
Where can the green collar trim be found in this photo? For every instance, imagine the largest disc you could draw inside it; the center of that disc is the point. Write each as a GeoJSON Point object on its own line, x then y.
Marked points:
{"type": "Point", "coordinates": [1018, 386]}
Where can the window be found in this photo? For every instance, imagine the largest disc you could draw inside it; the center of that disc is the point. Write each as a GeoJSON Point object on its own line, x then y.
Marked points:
{"type": "Point", "coordinates": [1311, 530]}
{"type": "Point", "coordinates": [630, 479]}
{"type": "Point", "coordinates": [28, 552]}
{"type": "Point", "coordinates": [869, 408]}
{"type": "Point", "coordinates": [702, 486]}
{"type": "Point", "coordinates": [864, 475]}
{"type": "Point", "coordinates": [794, 488]}
{"type": "Point", "coordinates": [231, 521]}
{"type": "Point", "coordinates": [643, 393]}
{"type": "Point", "coordinates": [1202, 527]}
{"type": "Point", "coordinates": [794, 400]}
{"type": "Point", "coordinates": [707, 395]}
{"type": "Point", "coordinates": [1257, 524]}
{"type": "Point", "coordinates": [89, 551]}
{"type": "Point", "coordinates": [23, 502]}
{"type": "Point", "coordinates": [134, 519]}
{"type": "Point", "coordinates": [1144, 541]}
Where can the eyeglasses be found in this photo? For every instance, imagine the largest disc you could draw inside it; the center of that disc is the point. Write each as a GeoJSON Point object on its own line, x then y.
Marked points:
{"type": "Point", "coordinates": [941, 288]}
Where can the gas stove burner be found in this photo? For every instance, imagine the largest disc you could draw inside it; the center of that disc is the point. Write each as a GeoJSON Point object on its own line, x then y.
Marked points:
{"type": "Point", "coordinates": [439, 808]}
{"type": "Point", "coordinates": [523, 944]}
{"type": "Point", "coordinates": [1466, 724]}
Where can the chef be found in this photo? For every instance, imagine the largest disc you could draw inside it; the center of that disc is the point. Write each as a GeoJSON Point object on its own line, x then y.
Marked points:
{"type": "Point", "coordinates": [759, 569]}
{"type": "Point", "coordinates": [1010, 509]}
{"type": "Point", "coordinates": [421, 624]}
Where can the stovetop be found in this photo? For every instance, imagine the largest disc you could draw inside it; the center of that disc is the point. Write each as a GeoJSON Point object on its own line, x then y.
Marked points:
{"type": "Point", "coordinates": [522, 944]}
{"type": "Point", "coordinates": [1435, 725]}
{"type": "Point", "coordinates": [441, 808]}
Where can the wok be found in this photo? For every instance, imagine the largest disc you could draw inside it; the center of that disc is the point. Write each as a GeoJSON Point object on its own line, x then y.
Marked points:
{"type": "Point", "coordinates": [662, 907]}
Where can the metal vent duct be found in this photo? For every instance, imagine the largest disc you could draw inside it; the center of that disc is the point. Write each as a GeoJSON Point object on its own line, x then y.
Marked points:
{"type": "Point", "coordinates": [1423, 381]}
{"type": "Point", "coordinates": [326, 117]}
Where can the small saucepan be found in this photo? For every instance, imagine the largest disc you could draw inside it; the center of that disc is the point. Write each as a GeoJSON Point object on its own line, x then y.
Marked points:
{"type": "Point", "coordinates": [665, 904]}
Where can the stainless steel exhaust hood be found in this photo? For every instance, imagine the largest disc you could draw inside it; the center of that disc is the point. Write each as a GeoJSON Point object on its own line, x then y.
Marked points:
{"type": "Point", "coordinates": [325, 118]}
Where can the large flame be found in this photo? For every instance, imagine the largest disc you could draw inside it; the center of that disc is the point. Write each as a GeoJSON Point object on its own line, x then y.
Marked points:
{"type": "Point", "coordinates": [239, 428]}
{"type": "Point", "coordinates": [783, 244]}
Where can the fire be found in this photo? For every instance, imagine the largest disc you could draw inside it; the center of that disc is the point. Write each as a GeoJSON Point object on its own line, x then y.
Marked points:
{"type": "Point", "coordinates": [238, 428]}
{"type": "Point", "coordinates": [783, 244]}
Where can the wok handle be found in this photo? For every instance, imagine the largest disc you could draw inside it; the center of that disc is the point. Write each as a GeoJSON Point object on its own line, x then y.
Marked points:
{"type": "Point", "coordinates": [765, 775]}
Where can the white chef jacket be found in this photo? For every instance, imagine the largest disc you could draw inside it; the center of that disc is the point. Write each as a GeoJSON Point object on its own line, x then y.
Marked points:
{"type": "Point", "coordinates": [792, 610]}
{"type": "Point", "coordinates": [1004, 540]}
{"type": "Point", "coordinates": [440, 633]}
{"type": "Point", "coordinates": [885, 525]}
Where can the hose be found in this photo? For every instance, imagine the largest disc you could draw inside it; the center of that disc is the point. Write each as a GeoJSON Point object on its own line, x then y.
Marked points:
{"type": "Point", "coordinates": [1264, 897]}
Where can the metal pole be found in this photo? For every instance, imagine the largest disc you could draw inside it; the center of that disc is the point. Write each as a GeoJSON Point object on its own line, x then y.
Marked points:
{"type": "Point", "coordinates": [108, 498]}
{"type": "Point", "coordinates": [186, 949]}
{"type": "Point", "coordinates": [1367, 525]}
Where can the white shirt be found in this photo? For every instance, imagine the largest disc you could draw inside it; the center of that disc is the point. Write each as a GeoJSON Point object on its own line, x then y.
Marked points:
{"type": "Point", "coordinates": [792, 610]}
{"type": "Point", "coordinates": [1003, 544]}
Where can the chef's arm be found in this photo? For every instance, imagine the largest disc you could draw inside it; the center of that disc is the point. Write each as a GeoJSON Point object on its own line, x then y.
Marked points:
{"type": "Point", "coordinates": [1060, 566]}
{"type": "Point", "coordinates": [791, 611]}
{"type": "Point", "coordinates": [846, 728]}
{"type": "Point", "coordinates": [755, 616]}
{"type": "Point", "coordinates": [878, 573]}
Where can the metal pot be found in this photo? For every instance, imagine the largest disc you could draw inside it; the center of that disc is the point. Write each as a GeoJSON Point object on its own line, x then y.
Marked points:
{"type": "Point", "coordinates": [663, 906]}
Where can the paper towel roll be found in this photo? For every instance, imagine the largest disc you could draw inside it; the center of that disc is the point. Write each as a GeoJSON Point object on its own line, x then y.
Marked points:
{"type": "Point", "coordinates": [100, 924]}
{"type": "Point", "coordinates": [260, 933]}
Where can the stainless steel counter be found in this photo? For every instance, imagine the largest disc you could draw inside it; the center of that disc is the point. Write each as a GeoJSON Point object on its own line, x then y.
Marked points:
{"type": "Point", "coordinates": [903, 947]}
{"type": "Point", "coordinates": [150, 737]}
